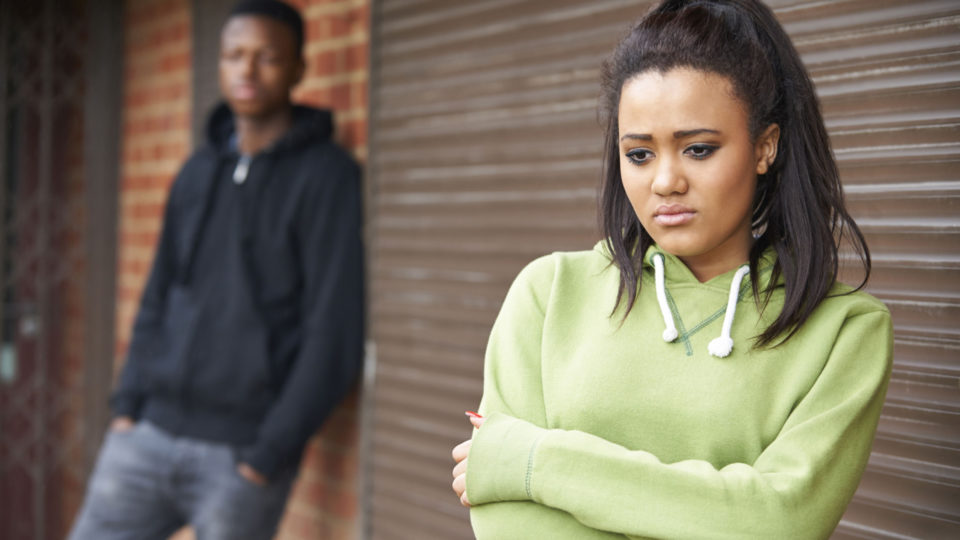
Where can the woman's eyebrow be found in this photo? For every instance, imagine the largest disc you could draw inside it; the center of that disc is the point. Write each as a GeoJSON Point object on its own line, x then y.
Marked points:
{"type": "Point", "coordinates": [689, 132]}
{"type": "Point", "coordinates": [676, 134]}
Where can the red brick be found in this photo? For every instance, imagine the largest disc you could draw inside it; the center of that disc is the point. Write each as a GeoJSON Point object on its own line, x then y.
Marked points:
{"type": "Point", "coordinates": [312, 491]}
{"type": "Point", "coordinates": [138, 238]}
{"type": "Point", "coordinates": [359, 96]}
{"type": "Point", "coordinates": [129, 293]}
{"type": "Point", "coordinates": [340, 96]}
{"type": "Point", "coordinates": [298, 526]}
{"type": "Point", "coordinates": [133, 267]}
{"type": "Point", "coordinates": [357, 57]}
{"type": "Point", "coordinates": [353, 133]}
{"type": "Point", "coordinates": [341, 464]}
{"type": "Point", "coordinates": [341, 503]}
{"type": "Point", "coordinates": [336, 25]}
{"type": "Point", "coordinates": [312, 456]}
{"type": "Point", "coordinates": [146, 181]}
{"type": "Point", "coordinates": [175, 62]}
{"type": "Point", "coordinates": [326, 63]}
{"type": "Point", "coordinates": [320, 97]}
{"type": "Point", "coordinates": [159, 93]}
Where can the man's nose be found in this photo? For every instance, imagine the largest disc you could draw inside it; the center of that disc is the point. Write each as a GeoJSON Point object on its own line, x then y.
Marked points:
{"type": "Point", "coordinates": [247, 66]}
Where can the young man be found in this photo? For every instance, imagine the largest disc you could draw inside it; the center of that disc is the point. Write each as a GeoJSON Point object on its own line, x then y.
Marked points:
{"type": "Point", "coordinates": [250, 329]}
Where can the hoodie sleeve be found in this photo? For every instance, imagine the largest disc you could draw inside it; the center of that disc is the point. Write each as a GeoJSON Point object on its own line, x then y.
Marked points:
{"type": "Point", "coordinates": [331, 348]}
{"type": "Point", "coordinates": [797, 488]}
{"type": "Point", "coordinates": [512, 386]}
{"type": "Point", "coordinates": [129, 394]}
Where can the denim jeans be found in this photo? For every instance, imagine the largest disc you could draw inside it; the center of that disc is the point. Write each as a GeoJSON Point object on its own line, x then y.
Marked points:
{"type": "Point", "coordinates": [148, 483]}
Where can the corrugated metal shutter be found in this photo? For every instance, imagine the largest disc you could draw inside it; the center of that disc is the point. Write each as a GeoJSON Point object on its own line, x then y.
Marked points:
{"type": "Point", "coordinates": [888, 74]}
{"type": "Point", "coordinates": [485, 155]}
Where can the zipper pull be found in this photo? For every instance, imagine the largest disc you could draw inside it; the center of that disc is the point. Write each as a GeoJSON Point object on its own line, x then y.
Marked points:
{"type": "Point", "coordinates": [243, 167]}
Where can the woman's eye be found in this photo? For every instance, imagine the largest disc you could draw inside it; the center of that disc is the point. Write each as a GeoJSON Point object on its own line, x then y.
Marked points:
{"type": "Point", "coordinates": [700, 151]}
{"type": "Point", "coordinates": [639, 156]}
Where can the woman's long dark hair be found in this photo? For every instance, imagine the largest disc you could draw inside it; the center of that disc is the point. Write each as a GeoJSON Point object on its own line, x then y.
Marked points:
{"type": "Point", "coordinates": [799, 203]}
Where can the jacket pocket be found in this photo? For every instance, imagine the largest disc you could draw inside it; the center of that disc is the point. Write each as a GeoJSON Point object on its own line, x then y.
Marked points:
{"type": "Point", "coordinates": [165, 350]}
{"type": "Point", "coordinates": [233, 373]}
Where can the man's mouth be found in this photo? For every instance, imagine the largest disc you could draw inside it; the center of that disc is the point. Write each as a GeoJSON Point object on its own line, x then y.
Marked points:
{"type": "Point", "coordinates": [245, 91]}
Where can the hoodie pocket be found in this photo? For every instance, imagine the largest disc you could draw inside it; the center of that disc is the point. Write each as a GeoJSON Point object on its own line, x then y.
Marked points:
{"type": "Point", "coordinates": [167, 344]}
{"type": "Point", "coordinates": [234, 374]}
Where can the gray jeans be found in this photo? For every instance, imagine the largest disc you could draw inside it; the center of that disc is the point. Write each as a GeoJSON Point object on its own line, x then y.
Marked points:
{"type": "Point", "coordinates": [148, 483]}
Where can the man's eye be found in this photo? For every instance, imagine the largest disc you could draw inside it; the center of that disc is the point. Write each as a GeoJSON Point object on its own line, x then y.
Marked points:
{"type": "Point", "coordinates": [639, 156]}
{"type": "Point", "coordinates": [700, 151]}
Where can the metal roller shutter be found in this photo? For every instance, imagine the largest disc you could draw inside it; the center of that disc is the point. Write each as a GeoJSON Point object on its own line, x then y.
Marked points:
{"type": "Point", "coordinates": [486, 153]}
{"type": "Point", "coordinates": [888, 75]}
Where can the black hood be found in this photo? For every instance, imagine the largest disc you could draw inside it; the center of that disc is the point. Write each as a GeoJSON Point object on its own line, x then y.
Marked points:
{"type": "Point", "coordinates": [310, 125]}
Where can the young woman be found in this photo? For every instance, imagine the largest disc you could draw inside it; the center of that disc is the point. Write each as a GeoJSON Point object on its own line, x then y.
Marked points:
{"type": "Point", "coordinates": [700, 373]}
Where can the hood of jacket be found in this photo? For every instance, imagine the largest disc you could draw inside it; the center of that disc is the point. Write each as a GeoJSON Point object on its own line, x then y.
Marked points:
{"type": "Point", "coordinates": [675, 271]}
{"type": "Point", "coordinates": [667, 269]}
{"type": "Point", "coordinates": [310, 125]}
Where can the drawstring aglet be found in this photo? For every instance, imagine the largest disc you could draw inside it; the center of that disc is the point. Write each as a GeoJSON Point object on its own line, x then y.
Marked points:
{"type": "Point", "coordinates": [721, 346]}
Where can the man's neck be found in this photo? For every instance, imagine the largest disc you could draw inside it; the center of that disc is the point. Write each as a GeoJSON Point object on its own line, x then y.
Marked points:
{"type": "Point", "coordinates": [256, 133]}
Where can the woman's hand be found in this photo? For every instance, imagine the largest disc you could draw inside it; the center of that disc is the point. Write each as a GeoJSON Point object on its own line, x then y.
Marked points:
{"type": "Point", "coordinates": [460, 453]}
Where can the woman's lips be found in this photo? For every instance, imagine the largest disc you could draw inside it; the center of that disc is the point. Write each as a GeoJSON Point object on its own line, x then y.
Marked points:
{"type": "Point", "coordinates": [673, 214]}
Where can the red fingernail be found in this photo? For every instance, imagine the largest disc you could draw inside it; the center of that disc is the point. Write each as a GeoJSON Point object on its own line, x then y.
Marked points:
{"type": "Point", "coordinates": [473, 414]}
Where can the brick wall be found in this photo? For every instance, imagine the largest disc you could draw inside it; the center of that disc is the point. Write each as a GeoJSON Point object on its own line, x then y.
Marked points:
{"type": "Point", "coordinates": [156, 141]}
{"type": "Point", "coordinates": [337, 45]}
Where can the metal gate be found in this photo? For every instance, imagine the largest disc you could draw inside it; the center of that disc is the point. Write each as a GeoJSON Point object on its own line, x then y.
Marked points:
{"type": "Point", "coordinates": [44, 325]}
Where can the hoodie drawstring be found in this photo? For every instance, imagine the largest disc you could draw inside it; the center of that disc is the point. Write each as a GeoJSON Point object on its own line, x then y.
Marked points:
{"type": "Point", "coordinates": [670, 332]}
{"type": "Point", "coordinates": [722, 345]}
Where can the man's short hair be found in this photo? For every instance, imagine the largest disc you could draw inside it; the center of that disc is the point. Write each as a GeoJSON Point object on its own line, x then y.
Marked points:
{"type": "Point", "coordinates": [278, 11]}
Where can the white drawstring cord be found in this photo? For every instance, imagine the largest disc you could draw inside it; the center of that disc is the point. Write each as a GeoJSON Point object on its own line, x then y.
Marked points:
{"type": "Point", "coordinates": [670, 332]}
{"type": "Point", "coordinates": [721, 346]}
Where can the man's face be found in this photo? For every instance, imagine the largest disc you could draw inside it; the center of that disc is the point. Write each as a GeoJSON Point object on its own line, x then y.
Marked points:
{"type": "Point", "coordinates": [259, 65]}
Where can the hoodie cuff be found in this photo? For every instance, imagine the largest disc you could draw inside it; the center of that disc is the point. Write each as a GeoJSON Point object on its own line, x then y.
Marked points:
{"type": "Point", "coordinates": [500, 465]}
{"type": "Point", "coordinates": [125, 406]}
{"type": "Point", "coordinates": [262, 459]}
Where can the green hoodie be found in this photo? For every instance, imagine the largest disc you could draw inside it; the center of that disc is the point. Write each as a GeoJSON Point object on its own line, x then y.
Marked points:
{"type": "Point", "coordinates": [598, 428]}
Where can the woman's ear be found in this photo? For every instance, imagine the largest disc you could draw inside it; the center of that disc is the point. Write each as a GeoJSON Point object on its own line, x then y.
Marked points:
{"type": "Point", "coordinates": [766, 148]}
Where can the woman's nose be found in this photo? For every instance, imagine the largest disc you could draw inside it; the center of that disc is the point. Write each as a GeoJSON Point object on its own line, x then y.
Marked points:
{"type": "Point", "coordinates": [668, 177]}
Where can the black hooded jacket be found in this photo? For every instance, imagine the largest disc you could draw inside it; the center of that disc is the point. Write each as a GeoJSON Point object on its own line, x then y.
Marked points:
{"type": "Point", "coordinates": [250, 329]}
